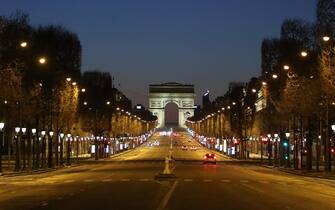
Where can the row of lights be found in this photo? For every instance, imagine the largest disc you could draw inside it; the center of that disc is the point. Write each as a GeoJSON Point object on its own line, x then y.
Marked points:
{"type": "Point", "coordinates": [303, 54]}
{"type": "Point", "coordinates": [42, 60]}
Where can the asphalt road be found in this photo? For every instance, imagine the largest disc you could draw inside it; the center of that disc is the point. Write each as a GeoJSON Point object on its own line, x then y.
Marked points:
{"type": "Point", "coordinates": [128, 181]}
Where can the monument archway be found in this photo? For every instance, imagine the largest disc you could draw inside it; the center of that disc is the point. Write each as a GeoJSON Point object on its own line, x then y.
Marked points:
{"type": "Point", "coordinates": [182, 95]}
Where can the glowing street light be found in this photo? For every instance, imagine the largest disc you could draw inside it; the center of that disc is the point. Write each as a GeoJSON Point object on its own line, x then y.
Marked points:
{"type": "Point", "coordinates": [68, 79]}
{"type": "Point", "coordinates": [108, 102]}
{"type": "Point", "coordinates": [74, 83]}
{"type": "Point", "coordinates": [286, 67]}
{"type": "Point", "coordinates": [83, 90]}
{"type": "Point", "coordinates": [264, 83]}
{"type": "Point", "coordinates": [325, 38]}
{"type": "Point", "coordinates": [2, 125]}
{"type": "Point", "coordinates": [287, 134]}
{"type": "Point", "coordinates": [254, 90]}
{"type": "Point", "coordinates": [85, 103]}
{"type": "Point", "coordinates": [304, 53]}
{"type": "Point", "coordinates": [42, 60]}
{"type": "Point", "coordinates": [23, 44]}
{"type": "Point", "coordinates": [17, 130]}
{"type": "Point", "coordinates": [23, 130]}
{"type": "Point", "coordinates": [33, 131]}
{"type": "Point", "coordinates": [274, 76]}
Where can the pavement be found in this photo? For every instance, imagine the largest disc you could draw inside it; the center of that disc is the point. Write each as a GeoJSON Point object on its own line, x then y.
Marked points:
{"type": "Point", "coordinates": [128, 182]}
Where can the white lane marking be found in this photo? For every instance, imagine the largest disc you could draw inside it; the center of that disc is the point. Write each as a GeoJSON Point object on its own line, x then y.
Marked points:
{"type": "Point", "coordinates": [244, 181]}
{"type": "Point", "coordinates": [125, 180]}
{"type": "Point", "coordinates": [167, 197]}
{"type": "Point", "coordinates": [144, 180]}
{"type": "Point", "coordinates": [263, 182]}
{"type": "Point", "coordinates": [225, 180]}
{"type": "Point", "coordinates": [88, 180]}
{"type": "Point", "coordinates": [68, 181]}
{"type": "Point", "coordinates": [44, 203]}
{"type": "Point", "coordinates": [282, 183]}
{"type": "Point", "coordinates": [207, 180]}
{"type": "Point", "coordinates": [107, 180]}
{"type": "Point", "coordinates": [188, 180]}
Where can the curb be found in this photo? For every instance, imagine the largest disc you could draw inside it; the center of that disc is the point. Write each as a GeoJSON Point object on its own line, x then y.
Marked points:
{"type": "Point", "coordinates": [35, 172]}
{"type": "Point", "coordinates": [298, 173]}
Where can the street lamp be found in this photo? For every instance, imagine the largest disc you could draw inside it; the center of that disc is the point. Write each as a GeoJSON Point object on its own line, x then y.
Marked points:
{"type": "Point", "coordinates": [23, 130]}
{"type": "Point", "coordinates": [42, 60]}
{"type": "Point", "coordinates": [325, 38]}
{"type": "Point", "coordinates": [286, 67]}
{"type": "Point", "coordinates": [68, 79]}
{"type": "Point", "coordinates": [274, 76]}
{"type": "Point", "coordinates": [2, 125]}
{"type": "Point", "coordinates": [35, 150]}
{"type": "Point", "coordinates": [264, 83]}
{"type": "Point", "coordinates": [68, 148]}
{"type": "Point", "coordinates": [17, 130]}
{"type": "Point", "coordinates": [74, 83]}
{"type": "Point", "coordinates": [17, 153]}
{"type": "Point", "coordinates": [303, 53]}
{"type": "Point", "coordinates": [83, 90]}
{"type": "Point", "coordinates": [61, 135]}
{"type": "Point", "coordinates": [23, 44]}
{"type": "Point", "coordinates": [287, 135]}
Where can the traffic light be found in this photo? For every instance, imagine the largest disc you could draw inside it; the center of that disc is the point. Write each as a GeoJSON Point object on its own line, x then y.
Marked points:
{"type": "Point", "coordinates": [285, 144]}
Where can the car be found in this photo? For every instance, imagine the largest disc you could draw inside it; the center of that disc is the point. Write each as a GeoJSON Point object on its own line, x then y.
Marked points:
{"type": "Point", "coordinates": [193, 148]}
{"type": "Point", "coordinates": [184, 147]}
{"type": "Point", "coordinates": [209, 158]}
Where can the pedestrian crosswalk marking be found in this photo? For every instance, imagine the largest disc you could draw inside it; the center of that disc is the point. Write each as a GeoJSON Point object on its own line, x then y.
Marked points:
{"type": "Point", "coordinates": [107, 180]}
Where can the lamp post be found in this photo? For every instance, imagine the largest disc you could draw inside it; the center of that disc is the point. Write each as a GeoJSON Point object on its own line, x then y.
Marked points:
{"type": "Point", "coordinates": [2, 125]}
{"type": "Point", "coordinates": [17, 148]}
{"type": "Point", "coordinates": [269, 149]}
{"type": "Point", "coordinates": [276, 148]}
{"type": "Point", "coordinates": [287, 148]}
{"type": "Point", "coordinates": [68, 148]}
{"type": "Point", "coordinates": [327, 147]}
{"type": "Point", "coordinates": [34, 148]}
{"type": "Point", "coordinates": [23, 149]}
{"type": "Point", "coordinates": [43, 148]}
{"type": "Point", "coordinates": [61, 135]}
{"type": "Point", "coordinates": [51, 133]}
{"type": "Point", "coordinates": [331, 149]}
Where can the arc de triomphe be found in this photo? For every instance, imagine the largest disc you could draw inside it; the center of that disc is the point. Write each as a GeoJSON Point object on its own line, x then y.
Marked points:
{"type": "Point", "coordinates": [182, 95]}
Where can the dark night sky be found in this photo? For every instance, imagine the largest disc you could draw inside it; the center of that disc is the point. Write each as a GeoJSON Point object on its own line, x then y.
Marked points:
{"type": "Point", "coordinates": [203, 42]}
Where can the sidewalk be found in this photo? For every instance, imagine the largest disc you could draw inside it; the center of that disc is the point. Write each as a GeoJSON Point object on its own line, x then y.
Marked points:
{"type": "Point", "coordinates": [313, 174]}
